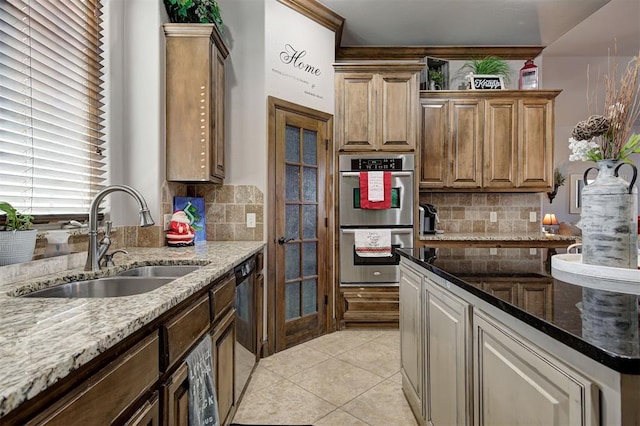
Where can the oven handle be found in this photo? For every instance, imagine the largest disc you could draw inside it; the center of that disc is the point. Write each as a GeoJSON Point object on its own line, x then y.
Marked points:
{"type": "Point", "coordinates": [393, 231]}
{"type": "Point", "coordinates": [357, 174]}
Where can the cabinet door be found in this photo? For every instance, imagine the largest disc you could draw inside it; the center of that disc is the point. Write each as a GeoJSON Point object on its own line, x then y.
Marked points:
{"type": "Point", "coordinates": [506, 291]}
{"type": "Point", "coordinates": [448, 359]}
{"type": "Point", "coordinates": [356, 111]}
{"type": "Point", "coordinates": [501, 133]}
{"type": "Point", "coordinates": [176, 397]}
{"type": "Point", "coordinates": [398, 115]}
{"type": "Point", "coordinates": [411, 338]}
{"type": "Point", "coordinates": [537, 298]}
{"type": "Point", "coordinates": [148, 414]}
{"type": "Point", "coordinates": [517, 383]}
{"type": "Point", "coordinates": [535, 144]}
{"type": "Point", "coordinates": [217, 115]}
{"type": "Point", "coordinates": [433, 143]}
{"type": "Point", "coordinates": [223, 341]}
{"type": "Point", "coordinates": [466, 119]}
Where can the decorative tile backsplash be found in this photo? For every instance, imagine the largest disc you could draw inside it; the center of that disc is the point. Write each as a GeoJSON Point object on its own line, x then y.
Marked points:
{"type": "Point", "coordinates": [470, 212]}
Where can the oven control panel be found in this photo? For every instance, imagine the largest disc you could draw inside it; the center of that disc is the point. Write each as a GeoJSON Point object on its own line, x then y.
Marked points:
{"type": "Point", "coordinates": [376, 164]}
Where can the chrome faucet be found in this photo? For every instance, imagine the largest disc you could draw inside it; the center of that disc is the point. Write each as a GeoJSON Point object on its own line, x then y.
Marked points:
{"type": "Point", "coordinates": [96, 252]}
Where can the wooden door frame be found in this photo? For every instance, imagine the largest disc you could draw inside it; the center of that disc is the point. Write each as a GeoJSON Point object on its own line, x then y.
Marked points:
{"type": "Point", "coordinates": [274, 104]}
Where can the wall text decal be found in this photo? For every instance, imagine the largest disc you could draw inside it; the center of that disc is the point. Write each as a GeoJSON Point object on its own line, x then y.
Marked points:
{"type": "Point", "coordinates": [291, 56]}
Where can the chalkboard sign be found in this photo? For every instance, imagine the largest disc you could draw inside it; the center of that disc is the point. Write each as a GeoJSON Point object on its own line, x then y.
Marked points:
{"type": "Point", "coordinates": [486, 82]}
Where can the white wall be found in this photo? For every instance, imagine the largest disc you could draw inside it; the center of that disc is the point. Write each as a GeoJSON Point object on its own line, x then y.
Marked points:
{"type": "Point", "coordinates": [135, 123]}
{"type": "Point", "coordinates": [572, 106]}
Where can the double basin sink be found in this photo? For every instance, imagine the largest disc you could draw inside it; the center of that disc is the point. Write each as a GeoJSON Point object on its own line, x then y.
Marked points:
{"type": "Point", "coordinates": [133, 281]}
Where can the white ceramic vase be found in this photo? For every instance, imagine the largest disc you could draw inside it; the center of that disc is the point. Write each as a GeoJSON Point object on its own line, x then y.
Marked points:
{"type": "Point", "coordinates": [609, 217]}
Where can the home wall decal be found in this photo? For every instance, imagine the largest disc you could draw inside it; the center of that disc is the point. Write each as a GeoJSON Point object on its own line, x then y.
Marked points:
{"type": "Point", "coordinates": [294, 57]}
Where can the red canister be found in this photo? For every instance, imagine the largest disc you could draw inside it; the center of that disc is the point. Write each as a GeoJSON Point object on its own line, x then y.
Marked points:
{"type": "Point", "coordinates": [528, 76]}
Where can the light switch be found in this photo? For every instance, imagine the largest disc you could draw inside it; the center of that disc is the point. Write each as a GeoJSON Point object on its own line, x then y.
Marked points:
{"type": "Point", "coordinates": [493, 217]}
{"type": "Point", "coordinates": [532, 251]}
{"type": "Point", "coordinates": [532, 217]}
{"type": "Point", "coordinates": [493, 251]}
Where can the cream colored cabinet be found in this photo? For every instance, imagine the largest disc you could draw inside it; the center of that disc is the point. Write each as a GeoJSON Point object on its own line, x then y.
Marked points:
{"type": "Point", "coordinates": [411, 339]}
{"type": "Point", "coordinates": [376, 106]}
{"type": "Point", "coordinates": [487, 140]}
{"type": "Point", "coordinates": [518, 383]}
{"type": "Point", "coordinates": [195, 81]}
{"type": "Point", "coordinates": [447, 362]}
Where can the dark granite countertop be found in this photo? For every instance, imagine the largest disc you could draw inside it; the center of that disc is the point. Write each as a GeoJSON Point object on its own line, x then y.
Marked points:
{"type": "Point", "coordinates": [581, 318]}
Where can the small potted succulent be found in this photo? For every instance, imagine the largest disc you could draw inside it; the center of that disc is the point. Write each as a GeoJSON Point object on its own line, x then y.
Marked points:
{"type": "Point", "coordinates": [194, 12]}
{"type": "Point", "coordinates": [436, 79]}
{"type": "Point", "coordinates": [17, 239]}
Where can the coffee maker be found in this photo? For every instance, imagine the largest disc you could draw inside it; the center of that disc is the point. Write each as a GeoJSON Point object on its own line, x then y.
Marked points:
{"type": "Point", "coordinates": [428, 216]}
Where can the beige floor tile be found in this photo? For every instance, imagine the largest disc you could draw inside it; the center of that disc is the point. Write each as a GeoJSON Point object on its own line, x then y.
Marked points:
{"type": "Point", "coordinates": [340, 418]}
{"type": "Point", "coordinates": [293, 361]}
{"type": "Point", "coordinates": [337, 343]}
{"type": "Point", "coordinates": [336, 381]}
{"type": "Point", "coordinates": [281, 404]}
{"type": "Point", "coordinates": [380, 356]}
{"type": "Point", "coordinates": [384, 405]}
{"type": "Point", "coordinates": [262, 378]}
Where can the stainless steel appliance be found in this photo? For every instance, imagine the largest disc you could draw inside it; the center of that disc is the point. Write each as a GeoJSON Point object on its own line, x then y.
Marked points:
{"type": "Point", "coordinates": [428, 219]}
{"type": "Point", "coordinates": [246, 334]}
{"type": "Point", "coordinates": [376, 271]}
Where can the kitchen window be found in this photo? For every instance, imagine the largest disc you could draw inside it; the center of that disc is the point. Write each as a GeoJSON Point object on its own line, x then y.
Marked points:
{"type": "Point", "coordinates": [52, 144]}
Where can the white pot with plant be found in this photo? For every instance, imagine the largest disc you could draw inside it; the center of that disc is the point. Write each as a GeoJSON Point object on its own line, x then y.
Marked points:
{"type": "Point", "coordinates": [17, 239]}
{"type": "Point", "coordinates": [489, 65]}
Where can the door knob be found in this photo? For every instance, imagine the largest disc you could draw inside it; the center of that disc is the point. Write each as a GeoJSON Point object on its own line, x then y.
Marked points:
{"type": "Point", "coordinates": [282, 240]}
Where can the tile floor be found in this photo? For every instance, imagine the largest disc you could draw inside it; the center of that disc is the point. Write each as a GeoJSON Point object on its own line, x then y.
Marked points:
{"type": "Point", "coordinates": [350, 377]}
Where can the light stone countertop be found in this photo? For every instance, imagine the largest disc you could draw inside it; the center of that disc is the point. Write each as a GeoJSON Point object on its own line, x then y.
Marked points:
{"type": "Point", "coordinates": [43, 340]}
{"type": "Point", "coordinates": [497, 237]}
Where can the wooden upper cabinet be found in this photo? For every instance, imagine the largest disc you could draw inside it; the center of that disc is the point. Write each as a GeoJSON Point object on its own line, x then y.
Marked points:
{"type": "Point", "coordinates": [195, 94]}
{"type": "Point", "coordinates": [377, 106]}
{"type": "Point", "coordinates": [493, 141]}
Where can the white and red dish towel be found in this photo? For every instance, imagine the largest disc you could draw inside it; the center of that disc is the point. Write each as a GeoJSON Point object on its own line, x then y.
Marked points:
{"type": "Point", "coordinates": [375, 190]}
{"type": "Point", "coordinates": [373, 242]}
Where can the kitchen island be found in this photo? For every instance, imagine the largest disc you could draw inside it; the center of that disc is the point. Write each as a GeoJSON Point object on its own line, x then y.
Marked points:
{"type": "Point", "coordinates": [486, 343]}
{"type": "Point", "coordinates": [44, 341]}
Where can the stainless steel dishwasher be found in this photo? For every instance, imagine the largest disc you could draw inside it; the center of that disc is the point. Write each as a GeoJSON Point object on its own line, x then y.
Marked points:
{"type": "Point", "coordinates": [246, 335]}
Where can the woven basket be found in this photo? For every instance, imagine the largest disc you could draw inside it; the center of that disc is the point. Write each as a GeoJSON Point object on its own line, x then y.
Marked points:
{"type": "Point", "coordinates": [17, 246]}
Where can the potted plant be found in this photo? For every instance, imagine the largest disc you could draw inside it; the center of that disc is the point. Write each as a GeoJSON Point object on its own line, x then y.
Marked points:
{"type": "Point", "coordinates": [17, 239]}
{"type": "Point", "coordinates": [489, 65]}
{"type": "Point", "coordinates": [194, 12]}
{"type": "Point", "coordinates": [436, 79]}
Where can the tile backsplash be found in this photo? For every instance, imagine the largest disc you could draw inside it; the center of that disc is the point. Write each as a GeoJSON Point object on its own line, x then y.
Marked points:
{"type": "Point", "coordinates": [471, 212]}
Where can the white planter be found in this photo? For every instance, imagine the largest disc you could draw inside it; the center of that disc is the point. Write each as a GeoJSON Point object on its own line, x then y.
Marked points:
{"type": "Point", "coordinates": [17, 246]}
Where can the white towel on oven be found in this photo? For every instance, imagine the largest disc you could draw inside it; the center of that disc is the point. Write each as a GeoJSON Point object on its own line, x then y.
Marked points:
{"type": "Point", "coordinates": [373, 242]}
{"type": "Point", "coordinates": [375, 181]}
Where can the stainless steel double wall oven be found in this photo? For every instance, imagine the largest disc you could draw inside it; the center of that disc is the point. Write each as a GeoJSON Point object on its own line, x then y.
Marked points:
{"type": "Point", "coordinates": [380, 271]}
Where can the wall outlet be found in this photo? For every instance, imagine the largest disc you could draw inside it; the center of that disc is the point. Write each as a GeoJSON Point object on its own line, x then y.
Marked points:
{"type": "Point", "coordinates": [493, 217]}
{"type": "Point", "coordinates": [493, 251]}
{"type": "Point", "coordinates": [532, 251]}
{"type": "Point", "coordinates": [166, 220]}
{"type": "Point", "coordinates": [251, 220]}
{"type": "Point", "coordinates": [532, 217]}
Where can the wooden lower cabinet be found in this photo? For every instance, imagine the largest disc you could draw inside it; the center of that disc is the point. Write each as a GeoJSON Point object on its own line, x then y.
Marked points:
{"type": "Point", "coordinates": [448, 357]}
{"type": "Point", "coordinates": [411, 337]}
{"type": "Point", "coordinates": [223, 340]}
{"type": "Point", "coordinates": [148, 414]}
{"type": "Point", "coordinates": [105, 396]}
{"type": "Point", "coordinates": [176, 397]}
{"type": "Point", "coordinates": [517, 383]}
{"type": "Point", "coordinates": [369, 306]}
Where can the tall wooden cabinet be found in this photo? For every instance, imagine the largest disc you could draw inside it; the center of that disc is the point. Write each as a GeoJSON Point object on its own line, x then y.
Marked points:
{"type": "Point", "coordinates": [195, 93]}
{"type": "Point", "coordinates": [376, 106]}
{"type": "Point", "coordinates": [496, 140]}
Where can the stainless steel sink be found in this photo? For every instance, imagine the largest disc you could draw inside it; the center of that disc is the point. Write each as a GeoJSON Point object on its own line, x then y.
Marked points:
{"type": "Point", "coordinates": [169, 271]}
{"type": "Point", "coordinates": [103, 287]}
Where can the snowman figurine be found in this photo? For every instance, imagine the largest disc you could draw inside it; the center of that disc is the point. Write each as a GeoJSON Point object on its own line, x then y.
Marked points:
{"type": "Point", "coordinates": [180, 233]}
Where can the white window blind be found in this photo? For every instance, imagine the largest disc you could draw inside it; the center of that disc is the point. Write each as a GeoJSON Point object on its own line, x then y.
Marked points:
{"type": "Point", "coordinates": [52, 158]}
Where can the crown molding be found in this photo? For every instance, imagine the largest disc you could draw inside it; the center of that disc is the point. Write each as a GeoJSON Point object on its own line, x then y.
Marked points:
{"type": "Point", "coordinates": [347, 53]}
{"type": "Point", "coordinates": [320, 14]}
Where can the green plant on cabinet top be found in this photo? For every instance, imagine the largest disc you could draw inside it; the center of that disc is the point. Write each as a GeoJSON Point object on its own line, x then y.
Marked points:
{"type": "Point", "coordinates": [194, 12]}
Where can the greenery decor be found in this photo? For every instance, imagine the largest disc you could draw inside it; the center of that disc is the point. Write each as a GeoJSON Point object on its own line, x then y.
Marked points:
{"type": "Point", "coordinates": [15, 221]}
{"type": "Point", "coordinates": [194, 12]}
{"type": "Point", "coordinates": [489, 65]}
{"type": "Point", "coordinates": [609, 136]}
{"type": "Point", "coordinates": [437, 77]}
{"type": "Point", "coordinates": [558, 181]}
